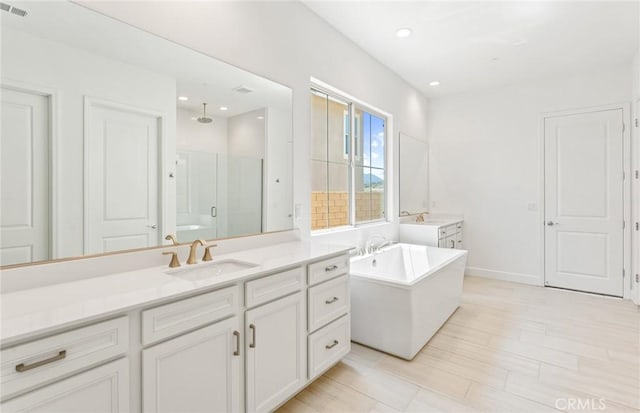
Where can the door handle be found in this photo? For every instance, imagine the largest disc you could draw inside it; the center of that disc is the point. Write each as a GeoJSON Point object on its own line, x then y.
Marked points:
{"type": "Point", "coordinates": [551, 223]}
{"type": "Point", "coordinates": [236, 334]}
{"type": "Point", "coordinates": [252, 327]}
{"type": "Point", "coordinates": [331, 301]}
{"type": "Point", "coordinates": [332, 345]}
{"type": "Point", "coordinates": [214, 212]}
{"type": "Point", "coordinates": [453, 244]}
{"type": "Point", "coordinates": [20, 368]}
{"type": "Point", "coordinates": [153, 226]}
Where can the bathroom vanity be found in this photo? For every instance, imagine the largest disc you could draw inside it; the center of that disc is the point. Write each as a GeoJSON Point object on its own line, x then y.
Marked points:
{"type": "Point", "coordinates": [244, 332]}
{"type": "Point", "coordinates": [443, 232]}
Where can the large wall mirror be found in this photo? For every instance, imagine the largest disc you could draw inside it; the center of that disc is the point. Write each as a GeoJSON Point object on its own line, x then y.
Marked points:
{"type": "Point", "coordinates": [113, 138]}
{"type": "Point", "coordinates": [414, 175]}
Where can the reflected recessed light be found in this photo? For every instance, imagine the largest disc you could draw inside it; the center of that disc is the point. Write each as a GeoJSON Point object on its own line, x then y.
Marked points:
{"type": "Point", "coordinates": [183, 98]}
{"type": "Point", "coordinates": [260, 117]}
{"type": "Point", "coordinates": [434, 83]}
{"type": "Point", "coordinates": [404, 32]}
{"type": "Point", "coordinates": [223, 108]}
{"type": "Point", "coordinates": [194, 118]}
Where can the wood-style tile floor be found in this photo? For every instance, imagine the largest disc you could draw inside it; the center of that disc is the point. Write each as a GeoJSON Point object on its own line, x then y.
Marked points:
{"type": "Point", "coordinates": [508, 348]}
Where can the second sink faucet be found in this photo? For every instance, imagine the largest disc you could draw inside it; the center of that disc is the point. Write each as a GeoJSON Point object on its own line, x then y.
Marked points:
{"type": "Point", "coordinates": [193, 250]}
{"type": "Point", "coordinates": [371, 247]}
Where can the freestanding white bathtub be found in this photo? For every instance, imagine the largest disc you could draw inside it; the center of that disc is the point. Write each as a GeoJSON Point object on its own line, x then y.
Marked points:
{"type": "Point", "coordinates": [403, 294]}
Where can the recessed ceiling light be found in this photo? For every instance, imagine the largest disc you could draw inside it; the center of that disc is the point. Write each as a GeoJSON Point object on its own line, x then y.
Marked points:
{"type": "Point", "coordinates": [183, 98]}
{"type": "Point", "coordinates": [434, 83]}
{"type": "Point", "coordinates": [260, 117]}
{"type": "Point", "coordinates": [223, 108]}
{"type": "Point", "coordinates": [404, 32]}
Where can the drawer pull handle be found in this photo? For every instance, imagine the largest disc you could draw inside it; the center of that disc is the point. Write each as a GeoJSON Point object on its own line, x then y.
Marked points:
{"type": "Point", "coordinates": [236, 334]}
{"type": "Point", "coordinates": [332, 345]}
{"type": "Point", "coordinates": [332, 300]}
{"type": "Point", "coordinates": [331, 268]}
{"type": "Point", "coordinates": [26, 367]}
{"type": "Point", "coordinates": [252, 327]}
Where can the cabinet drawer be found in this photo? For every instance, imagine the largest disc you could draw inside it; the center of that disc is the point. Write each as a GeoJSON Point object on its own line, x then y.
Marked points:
{"type": "Point", "coordinates": [47, 359]}
{"type": "Point", "coordinates": [328, 345]}
{"type": "Point", "coordinates": [274, 286]}
{"type": "Point", "coordinates": [328, 301]}
{"type": "Point", "coordinates": [170, 319]}
{"type": "Point", "coordinates": [101, 389]}
{"type": "Point", "coordinates": [327, 269]}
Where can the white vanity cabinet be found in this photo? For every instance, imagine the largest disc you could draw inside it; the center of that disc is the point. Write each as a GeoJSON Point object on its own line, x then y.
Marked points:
{"type": "Point", "coordinates": [276, 352]}
{"type": "Point", "coordinates": [196, 372]}
{"type": "Point", "coordinates": [248, 345]}
{"type": "Point", "coordinates": [443, 234]}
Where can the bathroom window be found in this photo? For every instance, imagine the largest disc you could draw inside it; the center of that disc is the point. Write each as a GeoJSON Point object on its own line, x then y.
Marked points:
{"type": "Point", "coordinates": [348, 162]}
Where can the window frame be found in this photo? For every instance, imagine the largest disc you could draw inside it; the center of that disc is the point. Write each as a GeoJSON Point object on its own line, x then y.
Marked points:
{"type": "Point", "coordinates": [356, 149]}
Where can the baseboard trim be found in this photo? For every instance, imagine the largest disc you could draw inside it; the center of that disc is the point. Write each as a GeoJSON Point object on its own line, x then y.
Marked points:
{"type": "Point", "coordinates": [504, 276]}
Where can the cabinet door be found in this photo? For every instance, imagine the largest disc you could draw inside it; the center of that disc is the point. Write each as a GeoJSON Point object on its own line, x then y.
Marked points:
{"type": "Point", "coordinates": [102, 389]}
{"type": "Point", "coordinates": [450, 242]}
{"type": "Point", "coordinates": [459, 239]}
{"type": "Point", "coordinates": [276, 352]}
{"type": "Point", "coordinates": [195, 372]}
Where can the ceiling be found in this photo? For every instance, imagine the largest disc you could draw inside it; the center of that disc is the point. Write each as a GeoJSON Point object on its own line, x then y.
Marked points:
{"type": "Point", "coordinates": [468, 45]}
{"type": "Point", "coordinates": [199, 77]}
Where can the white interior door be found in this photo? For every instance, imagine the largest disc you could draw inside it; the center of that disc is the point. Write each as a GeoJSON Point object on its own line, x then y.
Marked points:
{"type": "Point", "coordinates": [24, 178]}
{"type": "Point", "coordinates": [584, 196]}
{"type": "Point", "coordinates": [121, 209]}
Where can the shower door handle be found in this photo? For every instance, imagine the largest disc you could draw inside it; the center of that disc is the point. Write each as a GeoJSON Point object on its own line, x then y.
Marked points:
{"type": "Point", "coordinates": [214, 211]}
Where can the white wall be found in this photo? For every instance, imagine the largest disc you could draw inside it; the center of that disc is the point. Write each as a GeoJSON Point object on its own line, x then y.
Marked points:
{"type": "Point", "coordinates": [286, 42]}
{"type": "Point", "coordinates": [278, 194]}
{"type": "Point", "coordinates": [247, 134]}
{"type": "Point", "coordinates": [193, 136]}
{"type": "Point", "coordinates": [485, 162]}
{"type": "Point", "coordinates": [71, 74]}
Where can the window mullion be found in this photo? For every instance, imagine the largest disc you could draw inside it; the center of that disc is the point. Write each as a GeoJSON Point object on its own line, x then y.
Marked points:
{"type": "Point", "coordinates": [352, 175]}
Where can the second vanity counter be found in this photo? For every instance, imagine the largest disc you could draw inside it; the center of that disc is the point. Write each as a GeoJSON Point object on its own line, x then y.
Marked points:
{"type": "Point", "coordinates": [38, 311]}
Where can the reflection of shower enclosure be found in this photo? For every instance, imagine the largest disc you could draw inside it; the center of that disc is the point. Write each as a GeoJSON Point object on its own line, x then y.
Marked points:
{"type": "Point", "coordinates": [217, 195]}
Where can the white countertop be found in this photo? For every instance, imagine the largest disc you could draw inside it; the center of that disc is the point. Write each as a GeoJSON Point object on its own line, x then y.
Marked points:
{"type": "Point", "coordinates": [37, 311]}
{"type": "Point", "coordinates": [433, 220]}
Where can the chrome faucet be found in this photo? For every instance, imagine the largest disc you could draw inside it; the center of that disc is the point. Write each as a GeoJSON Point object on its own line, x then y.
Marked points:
{"type": "Point", "coordinates": [385, 244]}
{"type": "Point", "coordinates": [371, 247]}
{"type": "Point", "coordinates": [193, 249]}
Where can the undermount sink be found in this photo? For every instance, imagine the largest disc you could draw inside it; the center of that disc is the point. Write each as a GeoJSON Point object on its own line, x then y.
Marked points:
{"type": "Point", "coordinates": [213, 269]}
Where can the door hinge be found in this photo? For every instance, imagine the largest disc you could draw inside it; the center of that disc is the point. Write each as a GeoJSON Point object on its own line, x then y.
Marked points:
{"type": "Point", "coordinates": [624, 127]}
{"type": "Point", "coordinates": [624, 224]}
{"type": "Point", "coordinates": [637, 122]}
{"type": "Point", "coordinates": [637, 174]}
{"type": "Point", "coordinates": [637, 226]}
{"type": "Point", "coordinates": [623, 273]}
{"type": "Point", "coordinates": [637, 278]}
